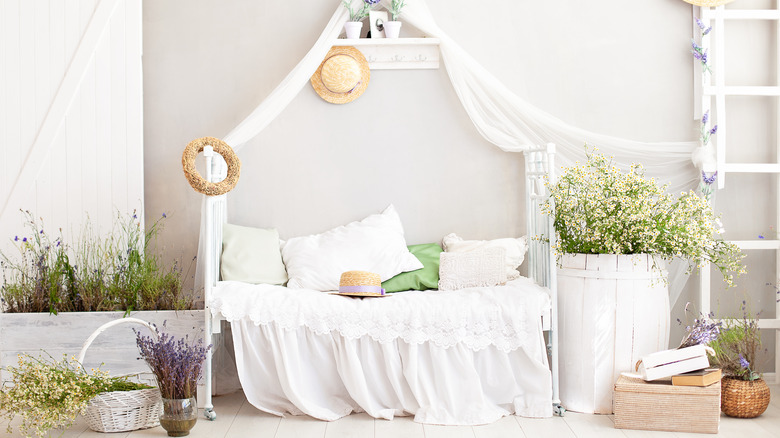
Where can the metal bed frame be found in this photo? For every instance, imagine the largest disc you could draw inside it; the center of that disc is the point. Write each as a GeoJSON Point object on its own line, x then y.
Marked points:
{"type": "Point", "coordinates": [539, 169]}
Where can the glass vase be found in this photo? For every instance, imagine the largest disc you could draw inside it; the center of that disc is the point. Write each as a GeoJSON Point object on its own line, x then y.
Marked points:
{"type": "Point", "coordinates": [179, 415]}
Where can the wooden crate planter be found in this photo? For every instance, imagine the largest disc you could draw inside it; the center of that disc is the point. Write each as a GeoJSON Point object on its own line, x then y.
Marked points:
{"type": "Point", "coordinates": [66, 332]}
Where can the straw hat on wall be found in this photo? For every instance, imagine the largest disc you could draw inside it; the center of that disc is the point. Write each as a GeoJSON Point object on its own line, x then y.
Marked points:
{"type": "Point", "coordinates": [343, 76]}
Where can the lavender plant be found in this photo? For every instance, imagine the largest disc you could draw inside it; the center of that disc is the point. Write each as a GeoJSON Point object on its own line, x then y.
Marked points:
{"type": "Point", "coordinates": [395, 9]}
{"type": "Point", "coordinates": [698, 51]}
{"type": "Point", "coordinates": [47, 393]}
{"type": "Point", "coordinates": [702, 331]}
{"type": "Point", "coordinates": [598, 209]}
{"type": "Point", "coordinates": [737, 347]}
{"type": "Point", "coordinates": [120, 271]}
{"type": "Point", "coordinates": [176, 363]}
{"type": "Point", "coordinates": [357, 14]}
{"type": "Point", "coordinates": [705, 185]}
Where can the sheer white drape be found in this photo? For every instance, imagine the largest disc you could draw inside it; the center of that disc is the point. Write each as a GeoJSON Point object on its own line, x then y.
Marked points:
{"type": "Point", "coordinates": [500, 116]}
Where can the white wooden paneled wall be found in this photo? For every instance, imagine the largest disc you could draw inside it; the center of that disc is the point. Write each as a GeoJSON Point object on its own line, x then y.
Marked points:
{"type": "Point", "coordinates": [71, 114]}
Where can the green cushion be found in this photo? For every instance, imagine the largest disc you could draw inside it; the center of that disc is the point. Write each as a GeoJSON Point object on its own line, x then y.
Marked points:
{"type": "Point", "coordinates": [421, 279]}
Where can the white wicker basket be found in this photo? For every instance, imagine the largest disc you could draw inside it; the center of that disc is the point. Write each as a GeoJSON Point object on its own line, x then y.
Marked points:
{"type": "Point", "coordinates": [122, 411]}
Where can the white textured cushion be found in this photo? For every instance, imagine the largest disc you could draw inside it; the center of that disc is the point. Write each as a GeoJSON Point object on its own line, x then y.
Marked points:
{"type": "Point", "coordinates": [484, 267]}
{"type": "Point", "coordinates": [375, 244]}
{"type": "Point", "coordinates": [515, 249]}
{"type": "Point", "coordinates": [251, 255]}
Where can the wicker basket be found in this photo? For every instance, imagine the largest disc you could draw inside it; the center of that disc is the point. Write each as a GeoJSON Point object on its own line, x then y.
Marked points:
{"type": "Point", "coordinates": [122, 411]}
{"type": "Point", "coordinates": [744, 398]}
{"type": "Point", "coordinates": [661, 406]}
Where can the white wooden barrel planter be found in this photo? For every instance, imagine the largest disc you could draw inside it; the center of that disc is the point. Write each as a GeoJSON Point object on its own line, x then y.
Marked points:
{"type": "Point", "coordinates": [613, 309]}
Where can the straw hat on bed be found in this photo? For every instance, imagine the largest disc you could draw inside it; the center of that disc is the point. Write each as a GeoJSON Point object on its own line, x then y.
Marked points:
{"type": "Point", "coordinates": [343, 76]}
{"type": "Point", "coordinates": [710, 3]}
{"type": "Point", "coordinates": [360, 284]}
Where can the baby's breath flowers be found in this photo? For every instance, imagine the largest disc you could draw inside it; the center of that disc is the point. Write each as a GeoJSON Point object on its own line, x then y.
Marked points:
{"type": "Point", "coordinates": [48, 394]}
{"type": "Point", "coordinates": [598, 209]}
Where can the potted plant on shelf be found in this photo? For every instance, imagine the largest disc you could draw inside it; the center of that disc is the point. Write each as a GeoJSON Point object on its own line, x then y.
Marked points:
{"type": "Point", "coordinates": [615, 230]}
{"type": "Point", "coordinates": [744, 393]}
{"type": "Point", "coordinates": [356, 15]}
{"type": "Point", "coordinates": [176, 365]}
{"type": "Point", "coordinates": [393, 27]}
{"type": "Point", "coordinates": [49, 394]}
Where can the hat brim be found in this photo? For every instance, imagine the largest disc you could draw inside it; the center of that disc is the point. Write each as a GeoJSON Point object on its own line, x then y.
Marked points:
{"type": "Point", "coordinates": [359, 294]}
{"type": "Point", "coordinates": [340, 98]}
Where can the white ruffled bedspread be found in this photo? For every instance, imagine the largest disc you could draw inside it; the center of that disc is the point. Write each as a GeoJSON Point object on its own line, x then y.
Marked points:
{"type": "Point", "coordinates": [458, 357]}
{"type": "Point", "coordinates": [503, 316]}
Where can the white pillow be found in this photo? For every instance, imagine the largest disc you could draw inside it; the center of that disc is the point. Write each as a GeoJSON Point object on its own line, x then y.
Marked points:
{"type": "Point", "coordinates": [515, 249]}
{"type": "Point", "coordinates": [251, 255]}
{"type": "Point", "coordinates": [375, 244]}
{"type": "Point", "coordinates": [484, 267]}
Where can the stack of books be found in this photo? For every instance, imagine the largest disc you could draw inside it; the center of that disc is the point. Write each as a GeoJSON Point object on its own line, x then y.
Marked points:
{"type": "Point", "coordinates": [697, 378]}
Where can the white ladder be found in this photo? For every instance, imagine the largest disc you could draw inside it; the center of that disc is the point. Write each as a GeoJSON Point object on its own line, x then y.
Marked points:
{"type": "Point", "coordinates": [715, 44]}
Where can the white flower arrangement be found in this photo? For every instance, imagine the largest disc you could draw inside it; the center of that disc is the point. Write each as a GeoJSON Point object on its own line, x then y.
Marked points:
{"type": "Point", "coordinates": [598, 209]}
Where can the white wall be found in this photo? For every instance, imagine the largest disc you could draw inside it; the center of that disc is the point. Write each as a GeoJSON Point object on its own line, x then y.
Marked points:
{"type": "Point", "coordinates": [71, 135]}
{"type": "Point", "coordinates": [611, 66]}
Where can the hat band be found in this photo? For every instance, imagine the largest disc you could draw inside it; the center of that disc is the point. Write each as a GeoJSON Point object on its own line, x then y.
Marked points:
{"type": "Point", "coordinates": [361, 289]}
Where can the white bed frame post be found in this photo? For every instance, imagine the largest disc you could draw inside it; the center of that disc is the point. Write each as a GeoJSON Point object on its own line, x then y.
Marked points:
{"type": "Point", "coordinates": [215, 171]}
{"type": "Point", "coordinates": [540, 169]}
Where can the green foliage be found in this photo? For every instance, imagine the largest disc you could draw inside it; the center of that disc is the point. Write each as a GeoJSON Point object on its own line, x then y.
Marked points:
{"type": "Point", "coordinates": [395, 9]}
{"type": "Point", "coordinates": [48, 394]}
{"type": "Point", "coordinates": [598, 209]}
{"type": "Point", "coordinates": [737, 346]}
{"type": "Point", "coordinates": [121, 271]}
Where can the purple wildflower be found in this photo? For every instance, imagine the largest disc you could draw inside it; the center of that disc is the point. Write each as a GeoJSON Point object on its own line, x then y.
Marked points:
{"type": "Point", "coordinates": [16, 238]}
{"type": "Point", "coordinates": [704, 56]}
{"type": "Point", "coordinates": [761, 237]}
{"type": "Point", "coordinates": [371, 2]}
{"type": "Point", "coordinates": [714, 129]}
{"type": "Point", "coordinates": [708, 179]}
{"type": "Point", "coordinates": [697, 55]}
{"type": "Point", "coordinates": [703, 27]}
{"type": "Point", "coordinates": [24, 240]}
{"type": "Point", "coordinates": [743, 362]}
{"type": "Point", "coordinates": [165, 215]}
{"type": "Point", "coordinates": [705, 118]}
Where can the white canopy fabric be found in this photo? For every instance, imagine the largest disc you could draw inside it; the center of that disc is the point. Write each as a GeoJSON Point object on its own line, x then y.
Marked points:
{"type": "Point", "coordinates": [500, 116]}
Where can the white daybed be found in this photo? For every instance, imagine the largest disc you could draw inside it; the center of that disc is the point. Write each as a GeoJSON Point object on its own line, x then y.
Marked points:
{"type": "Point", "coordinates": [460, 357]}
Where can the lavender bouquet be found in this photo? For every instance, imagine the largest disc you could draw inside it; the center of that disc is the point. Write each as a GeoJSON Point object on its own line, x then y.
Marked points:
{"type": "Point", "coordinates": [703, 330]}
{"type": "Point", "coordinates": [176, 363]}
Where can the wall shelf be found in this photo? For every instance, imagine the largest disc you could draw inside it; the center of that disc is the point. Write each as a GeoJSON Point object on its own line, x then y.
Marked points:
{"type": "Point", "coordinates": [397, 53]}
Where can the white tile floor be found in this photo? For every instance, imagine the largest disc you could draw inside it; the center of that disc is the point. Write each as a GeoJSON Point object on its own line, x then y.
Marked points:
{"type": "Point", "coordinates": [238, 419]}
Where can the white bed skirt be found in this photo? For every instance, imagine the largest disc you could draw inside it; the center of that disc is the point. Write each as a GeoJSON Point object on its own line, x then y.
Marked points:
{"type": "Point", "coordinates": [328, 376]}
{"type": "Point", "coordinates": [447, 357]}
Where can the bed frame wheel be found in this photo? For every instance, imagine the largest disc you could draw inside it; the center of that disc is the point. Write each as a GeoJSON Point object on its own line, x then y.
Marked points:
{"type": "Point", "coordinates": [210, 414]}
{"type": "Point", "coordinates": [558, 409]}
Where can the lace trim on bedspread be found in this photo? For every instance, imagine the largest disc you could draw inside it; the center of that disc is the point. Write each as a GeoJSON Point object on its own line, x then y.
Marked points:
{"type": "Point", "coordinates": [504, 316]}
